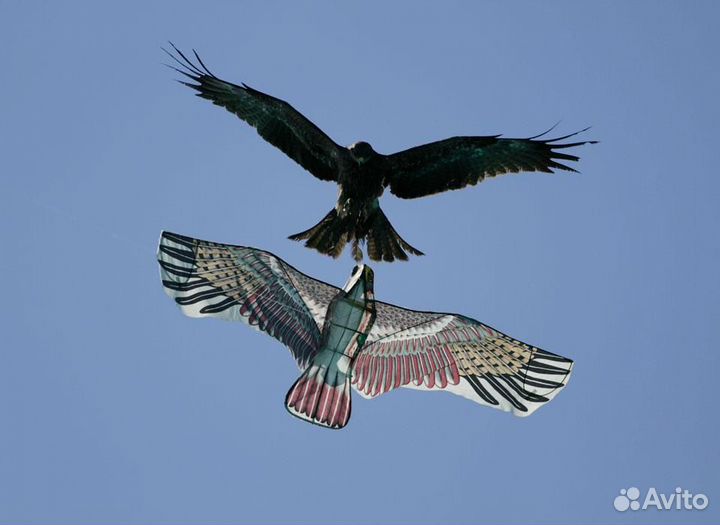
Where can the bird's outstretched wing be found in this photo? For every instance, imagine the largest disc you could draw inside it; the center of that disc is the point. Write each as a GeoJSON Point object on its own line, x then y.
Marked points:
{"type": "Point", "coordinates": [275, 120]}
{"type": "Point", "coordinates": [457, 162]}
{"type": "Point", "coordinates": [236, 283]}
{"type": "Point", "coordinates": [435, 351]}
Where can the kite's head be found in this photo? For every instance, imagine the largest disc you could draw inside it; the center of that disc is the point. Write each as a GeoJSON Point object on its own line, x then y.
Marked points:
{"type": "Point", "coordinates": [361, 273]}
{"type": "Point", "coordinates": [362, 152]}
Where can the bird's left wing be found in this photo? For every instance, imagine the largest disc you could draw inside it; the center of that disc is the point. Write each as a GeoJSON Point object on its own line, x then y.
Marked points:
{"type": "Point", "coordinates": [275, 120]}
{"type": "Point", "coordinates": [237, 283]}
{"type": "Point", "coordinates": [436, 351]}
{"type": "Point", "coordinates": [454, 163]}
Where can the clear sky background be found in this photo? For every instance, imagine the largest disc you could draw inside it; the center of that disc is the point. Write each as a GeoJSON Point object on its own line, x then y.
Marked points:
{"type": "Point", "coordinates": [116, 408]}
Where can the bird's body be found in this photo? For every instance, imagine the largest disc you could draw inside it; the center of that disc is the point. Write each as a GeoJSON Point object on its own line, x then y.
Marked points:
{"type": "Point", "coordinates": [360, 186]}
{"type": "Point", "coordinates": [362, 174]}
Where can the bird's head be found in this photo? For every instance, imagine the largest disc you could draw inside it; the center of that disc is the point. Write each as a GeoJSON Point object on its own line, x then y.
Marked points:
{"type": "Point", "coordinates": [362, 152]}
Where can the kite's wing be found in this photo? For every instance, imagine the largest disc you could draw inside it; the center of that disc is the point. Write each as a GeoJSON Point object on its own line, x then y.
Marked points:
{"type": "Point", "coordinates": [456, 162]}
{"type": "Point", "coordinates": [237, 283]}
{"type": "Point", "coordinates": [434, 351]}
{"type": "Point", "coordinates": [275, 120]}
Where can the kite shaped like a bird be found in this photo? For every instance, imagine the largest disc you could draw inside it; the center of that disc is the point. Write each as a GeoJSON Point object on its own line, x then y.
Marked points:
{"type": "Point", "coordinates": [363, 174]}
{"type": "Point", "coordinates": [344, 338]}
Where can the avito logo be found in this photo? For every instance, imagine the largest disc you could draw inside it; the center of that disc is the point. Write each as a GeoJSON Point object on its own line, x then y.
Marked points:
{"type": "Point", "coordinates": [681, 499]}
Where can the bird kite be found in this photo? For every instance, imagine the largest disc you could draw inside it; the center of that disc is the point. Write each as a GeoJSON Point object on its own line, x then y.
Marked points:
{"type": "Point", "coordinates": [363, 174]}
{"type": "Point", "coordinates": [344, 339]}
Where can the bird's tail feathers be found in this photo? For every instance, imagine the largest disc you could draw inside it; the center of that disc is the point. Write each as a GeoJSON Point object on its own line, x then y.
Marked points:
{"type": "Point", "coordinates": [333, 232]}
{"type": "Point", "coordinates": [321, 396]}
{"type": "Point", "coordinates": [329, 236]}
{"type": "Point", "coordinates": [384, 243]}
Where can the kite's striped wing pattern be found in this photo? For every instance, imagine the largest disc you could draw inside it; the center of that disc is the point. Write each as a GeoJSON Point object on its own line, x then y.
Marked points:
{"type": "Point", "coordinates": [435, 351]}
{"type": "Point", "coordinates": [237, 283]}
{"type": "Point", "coordinates": [275, 120]}
{"type": "Point", "coordinates": [457, 162]}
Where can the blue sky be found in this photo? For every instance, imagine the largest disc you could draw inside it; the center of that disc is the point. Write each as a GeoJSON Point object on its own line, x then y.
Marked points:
{"type": "Point", "coordinates": [118, 409]}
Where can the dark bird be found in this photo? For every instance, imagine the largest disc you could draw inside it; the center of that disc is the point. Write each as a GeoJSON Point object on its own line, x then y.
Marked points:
{"type": "Point", "coordinates": [343, 339]}
{"type": "Point", "coordinates": [363, 174]}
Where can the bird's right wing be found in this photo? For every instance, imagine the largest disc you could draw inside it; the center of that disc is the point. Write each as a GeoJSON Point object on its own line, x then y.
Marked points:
{"type": "Point", "coordinates": [275, 120]}
{"type": "Point", "coordinates": [437, 351]}
{"type": "Point", "coordinates": [457, 162]}
{"type": "Point", "coordinates": [238, 283]}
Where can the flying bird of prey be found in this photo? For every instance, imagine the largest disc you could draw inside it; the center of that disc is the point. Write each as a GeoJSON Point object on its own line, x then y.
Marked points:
{"type": "Point", "coordinates": [363, 174]}
{"type": "Point", "coordinates": [344, 339]}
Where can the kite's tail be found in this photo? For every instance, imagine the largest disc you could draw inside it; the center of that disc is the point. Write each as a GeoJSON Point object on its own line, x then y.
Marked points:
{"type": "Point", "coordinates": [333, 232]}
{"type": "Point", "coordinates": [322, 394]}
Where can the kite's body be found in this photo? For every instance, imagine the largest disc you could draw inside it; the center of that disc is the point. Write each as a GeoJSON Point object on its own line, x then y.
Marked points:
{"type": "Point", "coordinates": [322, 394]}
{"type": "Point", "coordinates": [344, 338]}
{"type": "Point", "coordinates": [363, 174]}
